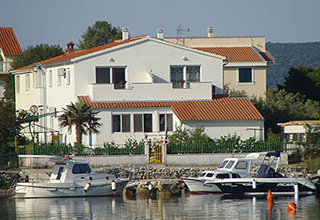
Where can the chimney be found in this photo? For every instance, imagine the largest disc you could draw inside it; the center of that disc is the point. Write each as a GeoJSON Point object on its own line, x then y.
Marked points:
{"type": "Point", "coordinates": [70, 45]}
{"type": "Point", "coordinates": [210, 32]}
{"type": "Point", "coordinates": [160, 34]}
{"type": "Point", "coordinates": [125, 33]}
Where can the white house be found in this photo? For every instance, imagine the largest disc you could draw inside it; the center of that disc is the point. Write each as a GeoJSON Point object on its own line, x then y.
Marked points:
{"type": "Point", "coordinates": [141, 86]}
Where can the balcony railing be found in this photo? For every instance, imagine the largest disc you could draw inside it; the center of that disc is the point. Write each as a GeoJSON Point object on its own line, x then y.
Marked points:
{"type": "Point", "coordinates": [150, 91]}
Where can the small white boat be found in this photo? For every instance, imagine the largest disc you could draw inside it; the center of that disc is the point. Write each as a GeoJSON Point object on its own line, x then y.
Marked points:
{"type": "Point", "coordinates": [267, 179]}
{"type": "Point", "coordinates": [229, 168]}
{"type": "Point", "coordinates": [72, 179]}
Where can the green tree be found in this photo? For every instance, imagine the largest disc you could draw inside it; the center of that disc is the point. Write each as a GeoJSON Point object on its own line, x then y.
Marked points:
{"type": "Point", "coordinates": [82, 116]}
{"type": "Point", "coordinates": [304, 80]}
{"type": "Point", "coordinates": [281, 106]}
{"type": "Point", "coordinates": [36, 54]}
{"type": "Point", "coordinates": [184, 135]}
{"type": "Point", "coordinates": [99, 34]}
{"type": "Point", "coordinates": [8, 126]}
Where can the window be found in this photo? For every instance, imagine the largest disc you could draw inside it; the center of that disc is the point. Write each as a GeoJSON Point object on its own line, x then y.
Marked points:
{"type": "Point", "coordinates": [245, 75]}
{"type": "Point", "coordinates": [223, 164]}
{"type": "Point", "coordinates": [27, 82]}
{"type": "Point", "coordinates": [183, 75]}
{"type": "Point", "coordinates": [223, 176]}
{"type": "Point", "coordinates": [102, 75]}
{"type": "Point", "coordinates": [50, 78]}
{"type": "Point", "coordinates": [142, 122]}
{"type": "Point", "coordinates": [59, 78]}
{"type": "Point", "coordinates": [118, 77]}
{"type": "Point", "coordinates": [81, 169]}
{"type": "Point", "coordinates": [230, 164]}
{"type": "Point", "coordinates": [193, 73]}
{"type": "Point", "coordinates": [59, 173]}
{"type": "Point", "coordinates": [210, 175]}
{"type": "Point", "coordinates": [18, 84]}
{"type": "Point", "coordinates": [165, 122]}
{"type": "Point", "coordinates": [68, 76]}
{"type": "Point", "coordinates": [241, 165]}
{"type": "Point", "coordinates": [137, 122]}
{"type": "Point", "coordinates": [117, 74]}
{"type": "Point", "coordinates": [121, 123]}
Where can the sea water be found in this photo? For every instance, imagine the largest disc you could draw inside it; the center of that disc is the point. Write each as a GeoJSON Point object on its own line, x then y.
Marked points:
{"type": "Point", "coordinates": [187, 206]}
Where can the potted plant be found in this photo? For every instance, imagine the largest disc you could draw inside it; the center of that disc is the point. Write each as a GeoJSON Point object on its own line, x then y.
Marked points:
{"type": "Point", "coordinates": [181, 82]}
{"type": "Point", "coordinates": [122, 83]}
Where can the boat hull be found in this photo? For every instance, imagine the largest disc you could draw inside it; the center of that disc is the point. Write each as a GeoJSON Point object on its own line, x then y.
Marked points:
{"type": "Point", "coordinates": [198, 186]}
{"type": "Point", "coordinates": [47, 190]}
{"type": "Point", "coordinates": [277, 186]}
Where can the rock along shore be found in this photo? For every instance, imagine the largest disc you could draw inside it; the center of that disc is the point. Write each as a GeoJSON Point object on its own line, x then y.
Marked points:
{"type": "Point", "coordinates": [143, 180]}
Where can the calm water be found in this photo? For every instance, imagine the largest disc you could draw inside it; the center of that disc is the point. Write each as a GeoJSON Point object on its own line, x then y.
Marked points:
{"type": "Point", "coordinates": [185, 207]}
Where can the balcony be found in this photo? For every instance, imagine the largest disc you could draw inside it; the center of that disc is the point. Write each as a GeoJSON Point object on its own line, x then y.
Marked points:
{"type": "Point", "coordinates": [150, 91]}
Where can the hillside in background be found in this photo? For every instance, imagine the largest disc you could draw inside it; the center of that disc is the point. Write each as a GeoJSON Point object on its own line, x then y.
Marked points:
{"type": "Point", "coordinates": [291, 55]}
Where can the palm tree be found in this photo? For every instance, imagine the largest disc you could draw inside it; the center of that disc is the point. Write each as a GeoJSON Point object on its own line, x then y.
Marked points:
{"type": "Point", "coordinates": [82, 116]}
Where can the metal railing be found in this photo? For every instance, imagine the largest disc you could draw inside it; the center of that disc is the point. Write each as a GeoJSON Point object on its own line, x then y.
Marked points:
{"type": "Point", "coordinates": [60, 149]}
{"type": "Point", "coordinates": [224, 147]}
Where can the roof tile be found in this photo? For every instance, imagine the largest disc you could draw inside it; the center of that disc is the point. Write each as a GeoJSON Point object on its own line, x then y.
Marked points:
{"type": "Point", "coordinates": [220, 108]}
{"type": "Point", "coordinates": [238, 54]}
{"type": "Point", "coordinates": [8, 42]}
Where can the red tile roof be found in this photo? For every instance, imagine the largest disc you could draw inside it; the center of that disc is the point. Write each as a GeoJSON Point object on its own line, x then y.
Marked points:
{"type": "Point", "coordinates": [238, 54]}
{"type": "Point", "coordinates": [8, 42]}
{"type": "Point", "coordinates": [222, 108]}
{"type": "Point", "coordinates": [79, 53]}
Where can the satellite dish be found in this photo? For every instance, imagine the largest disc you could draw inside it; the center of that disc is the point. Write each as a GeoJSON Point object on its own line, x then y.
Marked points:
{"type": "Point", "coordinates": [34, 109]}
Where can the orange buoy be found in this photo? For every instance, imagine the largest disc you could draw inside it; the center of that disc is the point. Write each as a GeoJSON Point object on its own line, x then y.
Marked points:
{"type": "Point", "coordinates": [270, 204]}
{"type": "Point", "coordinates": [292, 207]}
{"type": "Point", "coordinates": [269, 196]}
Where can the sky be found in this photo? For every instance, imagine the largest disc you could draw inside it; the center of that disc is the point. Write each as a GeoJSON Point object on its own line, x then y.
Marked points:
{"type": "Point", "coordinates": [55, 22]}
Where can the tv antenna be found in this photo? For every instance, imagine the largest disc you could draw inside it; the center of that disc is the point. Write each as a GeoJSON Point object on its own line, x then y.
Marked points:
{"type": "Point", "coordinates": [180, 30]}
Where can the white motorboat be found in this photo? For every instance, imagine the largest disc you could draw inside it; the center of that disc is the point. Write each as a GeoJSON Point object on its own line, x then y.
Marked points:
{"type": "Point", "coordinates": [72, 179]}
{"type": "Point", "coordinates": [267, 179]}
{"type": "Point", "coordinates": [229, 168]}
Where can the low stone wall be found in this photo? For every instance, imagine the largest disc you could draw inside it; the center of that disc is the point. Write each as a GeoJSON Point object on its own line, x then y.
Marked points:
{"type": "Point", "coordinates": [190, 160]}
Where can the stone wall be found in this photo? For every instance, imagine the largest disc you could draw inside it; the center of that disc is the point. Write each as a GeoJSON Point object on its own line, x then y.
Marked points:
{"type": "Point", "coordinates": [138, 160]}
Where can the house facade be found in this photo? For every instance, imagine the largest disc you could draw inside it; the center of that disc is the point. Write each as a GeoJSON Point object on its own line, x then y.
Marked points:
{"type": "Point", "coordinates": [9, 49]}
{"type": "Point", "coordinates": [245, 68]}
{"type": "Point", "coordinates": [140, 86]}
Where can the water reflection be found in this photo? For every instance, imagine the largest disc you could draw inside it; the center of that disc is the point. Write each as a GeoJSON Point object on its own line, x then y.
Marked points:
{"type": "Point", "coordinates": [164, 207]}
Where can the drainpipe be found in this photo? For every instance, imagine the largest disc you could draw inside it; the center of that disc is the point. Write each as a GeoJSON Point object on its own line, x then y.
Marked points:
{"type": "Point", "coordinates": [42, 71]}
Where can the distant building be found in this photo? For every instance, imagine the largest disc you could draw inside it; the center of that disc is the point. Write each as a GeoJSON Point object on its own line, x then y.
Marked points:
{"type": "Point", "coordinates": [9, 49]}
{"type": "Point", "coordinates": [141, 86]}
{"type": "Point", "coordinates": [295, 132]}
{"type": "Point", "coordinates": [245, 66]}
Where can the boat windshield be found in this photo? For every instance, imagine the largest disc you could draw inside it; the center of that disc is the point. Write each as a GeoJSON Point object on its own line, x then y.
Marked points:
{"type": "Point", "coordinates": [81, 168]}
{"type": "Point", "coordinates": [210, 175]}
{"type": "Point", "coordinates": [223, 163]}
{"type": "Point", "coordinates": [230, 164]}
{"type": "Point", "coordinates": [203, 174]}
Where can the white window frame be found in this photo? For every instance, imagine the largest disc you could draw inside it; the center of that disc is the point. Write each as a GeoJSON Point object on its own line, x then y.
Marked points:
{"type": "Point", "coordinates": [166, 120]}
{"type": "Point", "coordinates": [142, 121]}
{"type": "Point", "coordinates": [252, 76]}
{"type": "Point", "coordinates": [111, 73]}
{"type": "Point", "coordinates": [121, 120]}
{"type": "Point", "coordinates": [68, 76]}
{"type": "Point", "coordinates": [184, 73]}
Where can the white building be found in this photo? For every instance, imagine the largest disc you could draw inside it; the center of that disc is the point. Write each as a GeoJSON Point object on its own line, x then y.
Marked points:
{"type": "Point", "coordinates": [141, 86]}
